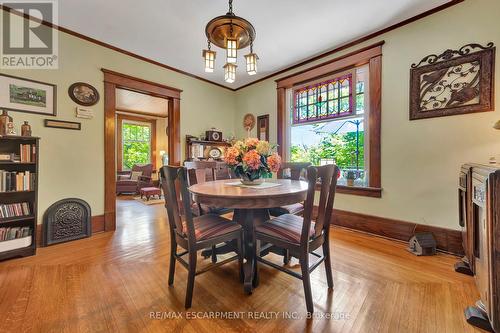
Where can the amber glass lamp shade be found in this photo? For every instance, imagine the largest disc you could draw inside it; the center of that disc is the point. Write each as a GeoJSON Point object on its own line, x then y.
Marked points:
{"type": "Point", "coordinates": [231, 51]}
{"type": "Point", "coordinates": [251, 60]}
{"type": "Point", "coordinates": [230, 73]}
{"type": "Point", "coordinates": [209, 57]}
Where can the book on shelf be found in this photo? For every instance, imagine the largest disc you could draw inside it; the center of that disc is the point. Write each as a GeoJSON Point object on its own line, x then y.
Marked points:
{"type": "Point", "coordinates": [14, 233]}
{"type": "Point", "coordinates": [17, 181]}
{"type": "Point", "coordinates": [27, 153]}
{"type": "Point", "coordinates": [15, 210]}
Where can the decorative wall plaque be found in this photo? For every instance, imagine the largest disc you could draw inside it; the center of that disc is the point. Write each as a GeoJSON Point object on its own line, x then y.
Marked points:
{"type": "Point", "coordinates": [66, 220]}
{"type": "Point", "coordinates": [454, 82]}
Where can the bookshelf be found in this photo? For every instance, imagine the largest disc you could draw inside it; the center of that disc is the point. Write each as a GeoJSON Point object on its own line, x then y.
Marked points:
{"type": "Point", "coordinates": [23, 191]}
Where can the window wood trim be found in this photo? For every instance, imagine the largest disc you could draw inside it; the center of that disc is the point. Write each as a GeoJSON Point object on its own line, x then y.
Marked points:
{"type": "Point", "coordinates": [119, 149]}
{"type": "Point", "coordinates": [371, 55]}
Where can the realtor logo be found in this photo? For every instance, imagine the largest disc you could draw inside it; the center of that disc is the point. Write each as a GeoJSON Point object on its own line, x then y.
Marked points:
{"type": "Point", "coordinates": [27, 43]}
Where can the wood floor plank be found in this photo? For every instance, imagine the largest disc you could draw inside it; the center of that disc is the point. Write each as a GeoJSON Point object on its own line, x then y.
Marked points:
{"type": "Point", "coordinates": [117, 282]}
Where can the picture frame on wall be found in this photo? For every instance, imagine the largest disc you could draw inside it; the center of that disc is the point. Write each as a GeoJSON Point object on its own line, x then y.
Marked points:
{"type": "Point", "coordinates": [26, 95]}
{"type": "Point", "coordinates": [263, 127]}
{"type": "Point", "coordinates": [453, 83]}
{"type": "Point", "coordinates": [70, 125]}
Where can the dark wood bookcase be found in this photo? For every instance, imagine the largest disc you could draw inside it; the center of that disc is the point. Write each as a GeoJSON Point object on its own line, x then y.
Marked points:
{"type": "Point", "coordinates": [11, 144]}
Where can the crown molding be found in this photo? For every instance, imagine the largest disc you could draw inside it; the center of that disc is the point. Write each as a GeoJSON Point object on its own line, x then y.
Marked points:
{"type": "Point", "coordinates": [289, 68]}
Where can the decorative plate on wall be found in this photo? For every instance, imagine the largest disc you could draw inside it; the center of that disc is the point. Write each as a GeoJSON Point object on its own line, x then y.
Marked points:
{"type": "Point", "coordinates": [83, 94]}
{"type": "Point", "coordinates": [248, 122]}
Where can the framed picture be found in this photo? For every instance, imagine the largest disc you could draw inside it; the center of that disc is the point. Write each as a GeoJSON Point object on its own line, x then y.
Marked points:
{"type": "Point", "coordinates": [263, 127]}
{"type": "Point", "coordinates": [25, 95]}
{"type": "Point", "coordinates": [71, 125]}
{"type": "Point", "coordinates": [83, 94]}
{"type": "Point", "coordinates": [452, 83]}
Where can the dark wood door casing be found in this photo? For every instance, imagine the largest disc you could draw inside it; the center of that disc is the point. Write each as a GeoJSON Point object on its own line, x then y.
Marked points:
{"type": "Point", "coordinates": [113, 80]}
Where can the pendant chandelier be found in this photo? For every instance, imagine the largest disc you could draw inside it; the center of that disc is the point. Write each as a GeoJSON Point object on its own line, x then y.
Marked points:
{"type": "Point", "coordinates": [232, 33]}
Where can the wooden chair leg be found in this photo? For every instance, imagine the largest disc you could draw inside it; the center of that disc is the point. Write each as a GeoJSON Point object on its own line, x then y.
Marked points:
{"type": "Point", "coordinates": [191, 275]}
{"type": "Point", "coordinates": [171, 269]}
{"type": "Point", "coordinates": [286, 257]}
{"type": "Point", "coordinates": [214, 254]}
{"type": "Point", "coordinates": [328, 263]}
{"type": "Point", "coordinates": [240, 256]}
{"type": "Point", "coordinates": [306, 281]}
{"type": "Point", "coordinates": [256, 278]}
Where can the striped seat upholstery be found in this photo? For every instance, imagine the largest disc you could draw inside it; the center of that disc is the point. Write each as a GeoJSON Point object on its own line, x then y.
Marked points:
{"type": "Point", "coordinates": [286, 227]}
{"type": "Point", "coordinates": [289, 209]}
{"type": "Point", "coordinates": [211, 225]}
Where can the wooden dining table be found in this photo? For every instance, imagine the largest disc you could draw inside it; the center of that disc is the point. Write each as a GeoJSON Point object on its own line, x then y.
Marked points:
{"type": "Point", "coordinates": [251, 207]}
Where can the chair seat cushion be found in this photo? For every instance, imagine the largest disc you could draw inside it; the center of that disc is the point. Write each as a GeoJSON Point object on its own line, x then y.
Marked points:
{"type": "Point", "coordinates": [286, 227]}
{"type": "Point", "coordinates": [289, 209]}
{"type": "Point", "coordinates": [211, 226]}
{"type": "Point", "coordinates": [208, 210]}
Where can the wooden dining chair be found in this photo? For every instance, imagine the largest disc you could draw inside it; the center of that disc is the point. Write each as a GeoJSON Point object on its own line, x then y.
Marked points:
{"type": "Point", "coordinates": [300, 235]}
{"type": "Point", "coordinates": [200, 172]}
{"type": "Point", "coordinates": [194, 233]}
{"type": "Point", "coordinates": [294, 171]}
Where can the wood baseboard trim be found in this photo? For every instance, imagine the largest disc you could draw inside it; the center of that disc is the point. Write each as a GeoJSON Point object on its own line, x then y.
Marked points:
{"type": "Point", "coordinates": [97, 223]}
{"type": "Point", "coordinates": [448, 240]}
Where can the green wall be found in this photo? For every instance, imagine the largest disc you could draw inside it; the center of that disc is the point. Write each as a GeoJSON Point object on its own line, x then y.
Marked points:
{"type": "Point", "coordinates": [72, 162]}
{"type": "Point", "coordinates": [420, 159]}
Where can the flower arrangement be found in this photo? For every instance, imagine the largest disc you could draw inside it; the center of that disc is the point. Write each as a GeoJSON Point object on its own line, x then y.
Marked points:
{"type": "Point", "coordinates": [252, 160]}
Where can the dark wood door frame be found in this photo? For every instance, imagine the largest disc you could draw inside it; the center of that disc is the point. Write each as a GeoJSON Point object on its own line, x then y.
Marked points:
{"type": "Point", "coordinates": [113, 80]}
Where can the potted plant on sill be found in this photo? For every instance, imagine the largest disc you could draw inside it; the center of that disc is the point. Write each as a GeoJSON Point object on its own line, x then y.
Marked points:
{"type": "Point", "coordinates": [350, 176]}
{"type": "Point", "coordinates": [252, 160]}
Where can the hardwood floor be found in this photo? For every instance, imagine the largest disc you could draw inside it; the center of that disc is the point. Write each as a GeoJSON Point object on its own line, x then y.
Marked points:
{"type": "Point", "coordinates": [117, 282]}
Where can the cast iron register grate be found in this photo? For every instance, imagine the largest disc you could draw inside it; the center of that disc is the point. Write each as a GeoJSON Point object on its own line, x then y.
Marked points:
{"type": "Point", "coordinates": [66, 220]}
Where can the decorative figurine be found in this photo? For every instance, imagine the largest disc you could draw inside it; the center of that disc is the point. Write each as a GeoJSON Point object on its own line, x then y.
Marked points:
{"type": "Point", "coordinates": [11, 130]}
{"type": "Point", "coordinates": [4, 120]}
{"type": "Point", "coordinates": [25, 129]}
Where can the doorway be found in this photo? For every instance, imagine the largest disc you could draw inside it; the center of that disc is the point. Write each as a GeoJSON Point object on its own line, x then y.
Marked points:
{"type": "Point", "coordinates": [114, 85]}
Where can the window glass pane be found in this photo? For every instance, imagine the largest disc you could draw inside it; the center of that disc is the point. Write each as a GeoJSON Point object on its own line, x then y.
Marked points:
{"type": "Point", "coordinates": [360, 102]}
{"type": "Point", "coordinates": [136, 144]}
{"type": "Point", "coordinates": [338, 141]}
{"type": "Point", "coordinates": [344, 105]}
{"type": "Point", "coordinates": [360, 87]}
{"type": "Point", "coordinates": [345, 87]}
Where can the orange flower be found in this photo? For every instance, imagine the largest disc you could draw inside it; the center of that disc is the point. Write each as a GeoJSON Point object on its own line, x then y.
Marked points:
{"type": "Point", "coordinates": [252, 159]}
{"type": "Point", "coordinates": [230, 156]}
{"type": "Point", "coordinates": [274, 162]}
{"type": "Point", "coordinates": [252, 142]}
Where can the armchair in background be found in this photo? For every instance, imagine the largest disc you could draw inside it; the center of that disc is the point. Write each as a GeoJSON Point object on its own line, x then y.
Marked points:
{"type": "Point", "coordinates": [132, 181]}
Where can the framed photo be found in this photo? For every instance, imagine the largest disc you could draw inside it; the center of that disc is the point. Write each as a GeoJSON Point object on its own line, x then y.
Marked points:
{"type": "Point", "coordinates": [263, 127]}
{"type": "Point", "coordinates": [71, 125]}
{"type": "Point", "coordinates": [25, 95]}
{"type": "Point", "coordinates": [83, 94]}
{"type": "Point", "coordinates": [452, 83]}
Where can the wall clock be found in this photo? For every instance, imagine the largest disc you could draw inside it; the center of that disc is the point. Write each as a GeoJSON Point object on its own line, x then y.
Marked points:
{"type": "Point", "coordinates": [248, 122]}
{"type": "Point", "coordinates": [83, 94]}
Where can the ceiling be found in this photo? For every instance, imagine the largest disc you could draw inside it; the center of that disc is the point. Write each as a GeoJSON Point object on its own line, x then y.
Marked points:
{"type": "Point", "coordinates": [172, 32]}
{"type": "Point", "coordinates": [131, 101]}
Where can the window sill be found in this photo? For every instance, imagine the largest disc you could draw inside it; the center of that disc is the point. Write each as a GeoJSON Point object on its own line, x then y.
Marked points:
{"type": "Point", "coordinates": [373, 192]}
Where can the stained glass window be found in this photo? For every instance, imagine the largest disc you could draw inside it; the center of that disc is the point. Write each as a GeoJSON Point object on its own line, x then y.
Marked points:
{"type": "Point", "coordinates": [326, 100]}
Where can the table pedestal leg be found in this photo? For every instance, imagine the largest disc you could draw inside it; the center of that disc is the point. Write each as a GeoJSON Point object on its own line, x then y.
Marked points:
{"type": "Point", "coordinates": [248, 219]}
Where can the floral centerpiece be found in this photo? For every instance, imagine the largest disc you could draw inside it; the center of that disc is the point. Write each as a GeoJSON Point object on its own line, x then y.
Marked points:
{"type": "Point", "coordinates": [252, 160]}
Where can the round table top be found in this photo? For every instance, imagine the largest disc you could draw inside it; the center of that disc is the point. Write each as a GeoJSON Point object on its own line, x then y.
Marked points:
{"type": "Point", "coordinates": [220, 194]}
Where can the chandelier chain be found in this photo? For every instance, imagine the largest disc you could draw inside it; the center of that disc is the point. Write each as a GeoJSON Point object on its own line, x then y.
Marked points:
{"type": "Point", "coordinates": [231, 6]}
